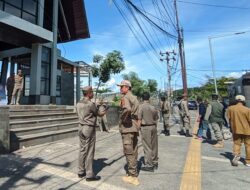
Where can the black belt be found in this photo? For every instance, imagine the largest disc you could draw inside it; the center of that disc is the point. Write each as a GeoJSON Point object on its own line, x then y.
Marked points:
{"type": "Point", "coordinates": [147, 125]}
{"type": "Point", "coordinates": [87, 125]}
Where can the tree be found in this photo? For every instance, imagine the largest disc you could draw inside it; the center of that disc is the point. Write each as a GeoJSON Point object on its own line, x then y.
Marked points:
{"type": "Point", "coordinates": [139, 86]}
{"type": "Point", "coordinates": [103, 67]}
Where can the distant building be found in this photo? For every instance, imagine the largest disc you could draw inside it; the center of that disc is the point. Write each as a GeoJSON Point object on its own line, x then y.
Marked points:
{"type": "Point", "coordinates": [29, 33]}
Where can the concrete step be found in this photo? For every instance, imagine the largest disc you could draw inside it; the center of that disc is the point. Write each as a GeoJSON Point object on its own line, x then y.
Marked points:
{"type": "Point", "coordinates": [41, 122]}
{"type": "Point", "coordinates": [39, 111]}
{"type": "Point", "coordinates": [18, 142]}
{"type": "Point", "coordinates": [40, 129]}
{"type": "Point", "coordinates": [40, 116]}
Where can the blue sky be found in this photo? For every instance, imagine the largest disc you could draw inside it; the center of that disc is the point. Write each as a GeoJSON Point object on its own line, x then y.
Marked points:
{"type": "Point", "coordinates": [110, 32]}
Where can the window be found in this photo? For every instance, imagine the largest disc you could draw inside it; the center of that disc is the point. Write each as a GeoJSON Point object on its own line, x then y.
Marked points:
{"type": "Point", "coordinates": [25, 9]}
{"type": "Point", "coordinates": [58, 86]}
{"type": "Point", "coordinates": [45, 71]}
{"type": "Point", "coordinates": [12, 10]}
{"type": "Point", "coordinates": [30, 6]}
{"type": "Point", "coordinates": [16, 3]}
{"type": "Point", "coordinates": [26, 85]}
{"type": "Point", "coordinates": [1, 5]}
{"type": "Point", "coordinates": [29, 17]}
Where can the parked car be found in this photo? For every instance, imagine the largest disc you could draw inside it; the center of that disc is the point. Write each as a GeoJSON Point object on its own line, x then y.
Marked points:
{"type": "Point", "coordinates": [192, 105]}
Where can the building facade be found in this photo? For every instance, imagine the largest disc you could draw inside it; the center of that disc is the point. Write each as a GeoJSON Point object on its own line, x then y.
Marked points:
{"type": "Point", "coordinates": [29, 33]}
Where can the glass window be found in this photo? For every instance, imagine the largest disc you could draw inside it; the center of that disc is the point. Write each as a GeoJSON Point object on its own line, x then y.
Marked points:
{"type": "Point", "coordinates": [44, 86]}
{"type": "Point", "coordinates": [1, 5]}
{"type": "Point", "coordinates": [58, 86]}
{"type": "Point", "coordinates": [46, 54]}
{"type": "Point", "coordinates": [30, 6]}
{"type": "Point", "coordinates": [12, 10]}
{"type": "Point", "coordinates": [29, 17]}
{"type": "Point", "coordinates": [16, 3]}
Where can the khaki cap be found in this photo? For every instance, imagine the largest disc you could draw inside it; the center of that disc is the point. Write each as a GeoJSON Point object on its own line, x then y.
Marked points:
{"type": "Point", "coordinates": [125, 83]}
{"type": "Point", "coordinates": [240, 98]}
{"type": "Point", "coordinates": [87, 88]}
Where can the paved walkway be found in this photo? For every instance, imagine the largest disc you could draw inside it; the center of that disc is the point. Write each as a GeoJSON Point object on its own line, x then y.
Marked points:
{"type": "Point", "coordinates": [184, 163]}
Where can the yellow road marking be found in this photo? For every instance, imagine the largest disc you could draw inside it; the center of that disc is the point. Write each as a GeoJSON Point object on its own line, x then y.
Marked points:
{"type": "Point", "coordinates": [191, 178]}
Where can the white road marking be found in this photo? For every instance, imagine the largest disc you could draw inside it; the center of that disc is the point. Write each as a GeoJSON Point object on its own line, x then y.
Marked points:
{"type": "Point", "coordinates": [99, 185]}
{"type": "Point", "coordinates": [218, 159]}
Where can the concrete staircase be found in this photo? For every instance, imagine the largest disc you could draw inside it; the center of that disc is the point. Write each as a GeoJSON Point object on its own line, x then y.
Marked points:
{"type": "Point", "coordinates": [32, 125]}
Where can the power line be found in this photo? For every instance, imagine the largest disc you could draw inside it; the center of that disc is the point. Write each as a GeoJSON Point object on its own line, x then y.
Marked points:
{"type": "Point", "coordinates": [138, 40]}
{"type": "Point", "coordinates": [213, 5]}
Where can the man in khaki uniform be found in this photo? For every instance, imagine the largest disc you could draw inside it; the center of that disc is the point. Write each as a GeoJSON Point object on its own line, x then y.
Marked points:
{"type": "Point", "coordinates": [18, 88]}
{"type": "Point", "coordinates": [239, 118]}
{"type": "Point", "coordinates": [147, 120]}
{"type": "Point", "coordinates": [214, 115]}
{"type": "Point", "coordinates": [102, 121]}
{"type": "Point", "coordinates": [185, 116]}
{"type": "Point", "coordinates": [165, 110]}
{"type": "Point", "coordinates": [129, 130]}
{"type": "Point", "coordinates": [87, 113]}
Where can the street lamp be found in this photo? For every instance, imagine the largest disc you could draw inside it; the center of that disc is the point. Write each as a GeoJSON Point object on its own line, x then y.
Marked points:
{"type": "Point", "coordinates": [212, 57]}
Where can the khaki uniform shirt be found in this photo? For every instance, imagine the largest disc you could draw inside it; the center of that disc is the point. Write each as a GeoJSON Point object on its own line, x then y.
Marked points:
{"type": "Point", "coordinates": [184, 109]}
{"type": "Point", "coordinates": [129, 113]}
{"type": "Point", "coordinates": [87, 112]}
{"type": "Point", "coordinates": [239, 117]}
{"type": "Point", "coordinates": [147, 114]}
{"type": "Point", "coordinates": [18, 82]}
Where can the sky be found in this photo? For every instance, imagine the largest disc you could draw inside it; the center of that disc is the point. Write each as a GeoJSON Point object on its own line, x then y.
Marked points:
{"type": "Point", "coordinates": [199, 19]}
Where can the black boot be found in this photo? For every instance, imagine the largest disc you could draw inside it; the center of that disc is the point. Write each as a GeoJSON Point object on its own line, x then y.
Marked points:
{"type": "Point", "coordinates": [182, 133]}
{"type": "Point", "coordinates": [167, 133]}
{"type": "Point", "coordinates": [188, 134]}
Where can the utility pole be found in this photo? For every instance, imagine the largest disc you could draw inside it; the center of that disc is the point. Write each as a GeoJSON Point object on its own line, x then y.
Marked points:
{"type": "Point", "coordinates": [168, 58]}
{"type": "Point", "coordinates": [181, 51]}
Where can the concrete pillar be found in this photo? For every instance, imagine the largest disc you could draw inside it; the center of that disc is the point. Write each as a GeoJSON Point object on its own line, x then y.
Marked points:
{"type": "Point", "coordinates": [77, 84]}
{"type": "Point", "coordinates": [35, 74]}
{"type": "Point", "coordinates": [36, 62]}
{"type": "Point", "coordinates": [12, 66]}
{"type": "Point", "coordinates": [54, 54]}
{"type": "Point", "coordinates": [4, 130]}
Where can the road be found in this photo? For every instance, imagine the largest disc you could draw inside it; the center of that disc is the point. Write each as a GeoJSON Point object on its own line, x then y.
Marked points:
{"type": "Point", "coordinates": [184, 163]}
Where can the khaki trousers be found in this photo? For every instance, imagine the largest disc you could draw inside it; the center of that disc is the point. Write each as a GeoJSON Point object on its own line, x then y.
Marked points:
{"type": "Point", "coordinates": [103, 123]}
{"type": "Point", "coordinates": [238, 140]}
{"type": "Point", "coordinates": [186, 123]}
{"type": "Point", "coordinates": [217, 131]}
{"type": "Point", "coordinates": [150, 144]}
{"type": "Point", "coordinates": [87, 136]}
{"type": "Point", "coordinates": [165, 118]}
{"type": "Point", "coordinates": [130, 149]}
{"type": "Point", "coordinates": [16, 94]}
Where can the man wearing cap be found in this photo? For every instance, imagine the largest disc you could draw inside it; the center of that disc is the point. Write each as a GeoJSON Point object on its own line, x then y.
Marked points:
{"type": "Point", "coordinates": [129, 130]}
{"type": "Point", "coordinates": [87, 113]}
{"type": "Point", "coordinates": [214, 115]}
{"type": "Point", "coordinates": [185, 116]}
{"type": "Point", "coordinates": [239, 118]}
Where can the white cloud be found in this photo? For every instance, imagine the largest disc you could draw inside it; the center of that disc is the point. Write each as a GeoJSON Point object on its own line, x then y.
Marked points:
{"type": "Point", "coordinates": [235, 74]}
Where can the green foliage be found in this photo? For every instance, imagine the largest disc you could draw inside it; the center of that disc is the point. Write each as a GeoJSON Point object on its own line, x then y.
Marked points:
{"type": "Point", "coordinates": [106, 66]}
{"type": "Point", "coordinates": [140, 86]}
{"type": "Point", "coordinates": [207, 89]}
